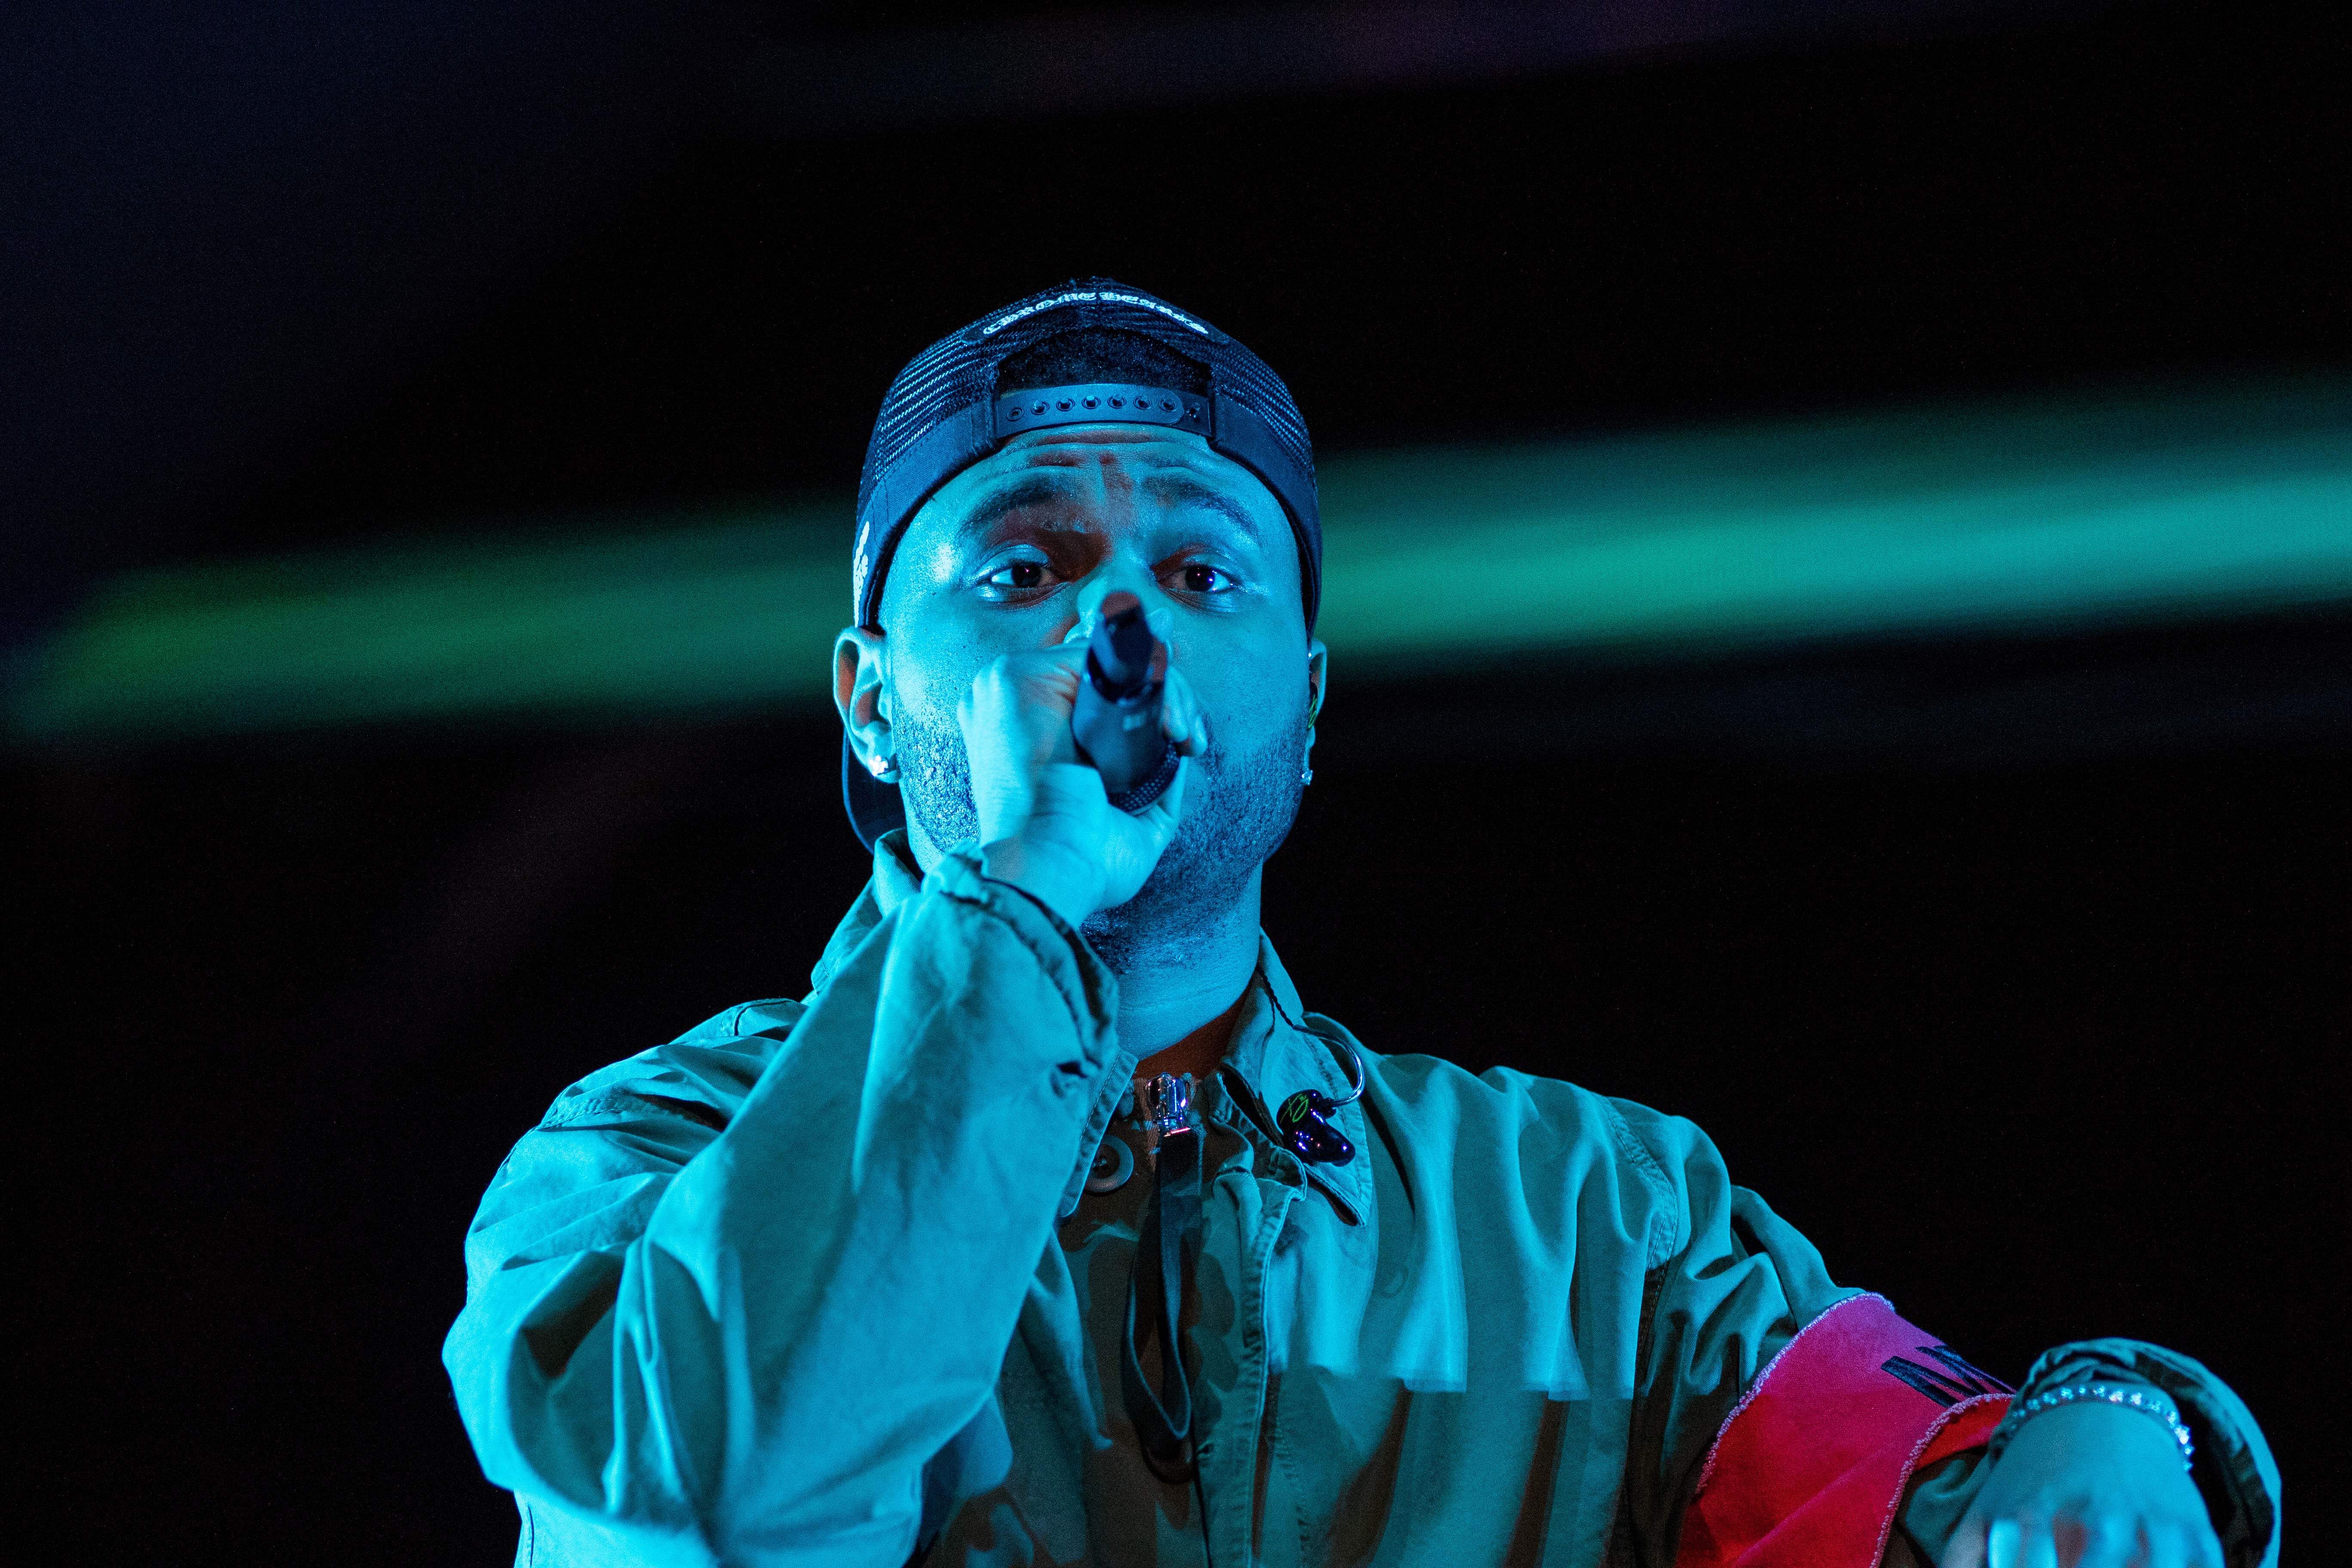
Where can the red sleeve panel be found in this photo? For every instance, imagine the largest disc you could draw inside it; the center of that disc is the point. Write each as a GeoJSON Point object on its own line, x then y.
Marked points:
{"type": "Point", "coordinates": [1809, 1469]}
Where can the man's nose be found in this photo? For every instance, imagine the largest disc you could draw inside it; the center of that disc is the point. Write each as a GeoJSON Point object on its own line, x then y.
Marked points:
{"type": "Point", "coordinates": [1120, 573]}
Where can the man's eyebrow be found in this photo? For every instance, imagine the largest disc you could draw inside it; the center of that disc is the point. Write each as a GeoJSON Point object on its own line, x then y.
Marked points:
{"type": "Point", "coordinates": [1177, 489]}
{"type": "Point", "coordinates": [1034, 490]}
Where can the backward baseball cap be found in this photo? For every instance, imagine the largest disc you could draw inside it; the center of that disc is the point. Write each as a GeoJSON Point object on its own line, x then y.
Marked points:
{"type": "Point", "coordinates": [946, 411]}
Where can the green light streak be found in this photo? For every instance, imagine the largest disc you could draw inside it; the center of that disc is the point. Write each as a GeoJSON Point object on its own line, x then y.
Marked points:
{"type": "Point", "coordinates": [702, 615]}
{"type": "Point", "coordinates": [2042, 516]}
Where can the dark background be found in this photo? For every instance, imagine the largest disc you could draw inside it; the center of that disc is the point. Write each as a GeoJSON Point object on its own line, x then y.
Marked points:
{"type": "Point", "coordinates": [2014, 970]}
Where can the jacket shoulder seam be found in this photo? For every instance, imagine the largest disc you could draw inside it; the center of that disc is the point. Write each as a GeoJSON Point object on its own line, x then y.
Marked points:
{"type": "Point", "coordinates": [1665, 1226]}
{"type": "Point", "coordinates": [605, 1102]}
{"type": "Point", "coordinates": [732, 1027]}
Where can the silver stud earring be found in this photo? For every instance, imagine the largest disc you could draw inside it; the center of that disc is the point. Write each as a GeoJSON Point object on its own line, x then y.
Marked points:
{"type": "Point", "coordinates": [885, 768]}
{"type": "Point", "coordinates": [1305, 775]}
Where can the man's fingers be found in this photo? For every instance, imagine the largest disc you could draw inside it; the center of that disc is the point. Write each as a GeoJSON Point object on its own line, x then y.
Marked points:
{"type": "Point", "coordinates": [1167, 811]}
{"type": "Point", "coordinates": [2169, 1548]}
{"type": "Point", "coordinates": [1967, 1547]}
{"type": "Point", "coordinates": [2112, 1540]}
{"type": "Point", "coordinates": [1045, 672]}
{"type": "Point", "coordinates": [2021, 1543]}
{"type": "Point", "coordinates": [2190, 1544]}
{"type": "Point", "coordinates": [1180, 718]}
{"type": "Point", "coordinates": [1062, 663]}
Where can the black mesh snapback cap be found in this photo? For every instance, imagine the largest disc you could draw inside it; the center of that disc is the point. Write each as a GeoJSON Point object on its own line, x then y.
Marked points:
{"type": "Point", "coordinates": [946, 411]}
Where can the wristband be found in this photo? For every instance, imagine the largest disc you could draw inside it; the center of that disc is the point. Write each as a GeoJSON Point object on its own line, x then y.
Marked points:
{"type": "Point", "coordinates": [2147, 1400]}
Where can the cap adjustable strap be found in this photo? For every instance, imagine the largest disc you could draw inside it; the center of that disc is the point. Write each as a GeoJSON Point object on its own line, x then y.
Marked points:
{"type": "Point", "coordinates": [1094, 403]}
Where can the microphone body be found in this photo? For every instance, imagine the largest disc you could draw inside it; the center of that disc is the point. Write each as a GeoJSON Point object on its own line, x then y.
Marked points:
{"type": "Point", "coordinates": [1117, 720]}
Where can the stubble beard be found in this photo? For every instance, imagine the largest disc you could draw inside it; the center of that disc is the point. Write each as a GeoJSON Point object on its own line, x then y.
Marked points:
{"type": "Point", "coordinates": [1238, 810]}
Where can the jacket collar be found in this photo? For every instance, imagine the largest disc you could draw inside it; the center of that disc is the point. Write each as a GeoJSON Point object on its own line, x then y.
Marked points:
{"type": "Point", "coordinates": [1278, 1047]}
{"type": "Point", "coordinates": [895, 879]}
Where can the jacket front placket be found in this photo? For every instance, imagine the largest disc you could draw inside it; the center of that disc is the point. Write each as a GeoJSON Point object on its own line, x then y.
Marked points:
{"type": "Point", "coordinates": [1249, 1207]}
{"type": "Point", "coordinates": [1257, 1188]}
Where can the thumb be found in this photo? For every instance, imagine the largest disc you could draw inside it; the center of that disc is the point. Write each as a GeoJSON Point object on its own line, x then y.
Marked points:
{"type": "Point", "coordinates": [1967, 1547]}
{"type": "Point", "coordinates": [1163, 814]}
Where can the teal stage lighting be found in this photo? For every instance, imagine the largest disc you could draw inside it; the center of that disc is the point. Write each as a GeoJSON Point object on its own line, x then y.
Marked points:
{"type": "Point", "coordinates": [2019, 517]}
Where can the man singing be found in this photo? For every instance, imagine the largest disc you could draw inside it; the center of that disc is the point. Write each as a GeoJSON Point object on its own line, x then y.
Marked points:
{"type": "Point", "coordinates": [1050, 1227]}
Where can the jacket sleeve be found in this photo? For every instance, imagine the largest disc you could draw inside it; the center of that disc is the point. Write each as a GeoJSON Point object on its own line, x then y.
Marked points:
{"type": "Point", "coordinates": [2233, 1468]}
{"type": "Point", "coordinates": [1734, 1285]}
{"type": "Point", "coordinates": [730, 1300]}
{"type": "Point", "coordinates": [1737, 1286]}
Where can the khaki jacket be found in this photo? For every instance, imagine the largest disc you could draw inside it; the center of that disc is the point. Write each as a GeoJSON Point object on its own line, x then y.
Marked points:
{"type": "Point", "coordinates": [820, 1282]}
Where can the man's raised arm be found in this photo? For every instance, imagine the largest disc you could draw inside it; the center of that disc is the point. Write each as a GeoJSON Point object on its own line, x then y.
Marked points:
{"type": "Point", "coordinates": [732, 1297]}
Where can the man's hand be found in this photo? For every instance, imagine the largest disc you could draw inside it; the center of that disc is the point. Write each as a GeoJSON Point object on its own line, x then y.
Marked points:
{"type": "Point", "coordinates": [1046, 824]}
{"type": "Point", "coordinates": [2086, 1486]}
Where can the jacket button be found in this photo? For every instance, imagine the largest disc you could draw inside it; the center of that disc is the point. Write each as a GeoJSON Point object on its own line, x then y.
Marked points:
{"type": "Point", "coordinates": [1114, 1163]}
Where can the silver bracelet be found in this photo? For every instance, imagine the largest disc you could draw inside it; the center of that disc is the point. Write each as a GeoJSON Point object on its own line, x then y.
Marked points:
{"type": "Point", "coordinates": [2146, 1401]}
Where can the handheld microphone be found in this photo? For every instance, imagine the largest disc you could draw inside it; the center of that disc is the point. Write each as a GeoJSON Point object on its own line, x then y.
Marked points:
{"type": "Point", "coordinates": [1117, 721]}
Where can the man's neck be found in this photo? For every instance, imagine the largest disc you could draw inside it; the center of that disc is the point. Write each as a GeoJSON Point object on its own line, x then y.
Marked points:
{"type": "Point", "coordinates": [1177, 997]}
{"type": "Point", "coordinates": [1178, 1000]}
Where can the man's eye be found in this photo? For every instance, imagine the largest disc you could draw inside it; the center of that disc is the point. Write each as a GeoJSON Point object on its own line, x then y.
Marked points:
{"type": "Point", "coordinates": [1200, 578]}
{"type": "Point", "coordinates": [1019, 577]}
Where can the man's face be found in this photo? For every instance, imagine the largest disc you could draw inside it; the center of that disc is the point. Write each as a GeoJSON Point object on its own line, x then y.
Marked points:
{"type": "Point", "coordinates": [1008, 556]}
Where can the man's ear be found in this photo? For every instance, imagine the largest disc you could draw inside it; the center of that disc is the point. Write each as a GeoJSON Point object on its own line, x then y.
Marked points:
{"type": "Point", "coordinates": [1319, 671]}
{"type": "Point", "coordinates": [860, 695]}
